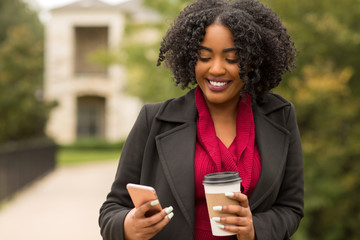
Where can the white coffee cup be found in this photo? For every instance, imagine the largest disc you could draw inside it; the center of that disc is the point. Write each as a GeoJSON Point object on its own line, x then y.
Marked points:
{"type": "Point", "coordinates": [216, 185]}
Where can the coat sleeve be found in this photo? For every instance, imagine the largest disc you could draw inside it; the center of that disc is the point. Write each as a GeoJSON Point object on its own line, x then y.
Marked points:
{"type": "Point", "coordinates": [118, 203]}
{"type": "Point", "coordinates": [283, 218]}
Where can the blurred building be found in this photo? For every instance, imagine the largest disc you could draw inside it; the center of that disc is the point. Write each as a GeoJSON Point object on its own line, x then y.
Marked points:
{"type": "Point", "coordinates": [91, 99]}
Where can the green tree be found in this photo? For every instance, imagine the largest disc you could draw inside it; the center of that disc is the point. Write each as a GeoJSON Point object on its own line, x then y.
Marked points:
{"type": "Point", "coordinates": [15, 13]}
{"type": "Point", "coordinates": [145, 80]}
{"type": "Point", "coordinates": [327, 117]}
{"type": "Point", "coordinates": [323, 30]}
{"type": "Point", "coordinates": [323, 89]}
{"type": "Point", "coordinates": [22, 112]}
{"type": "Point", "coordinates": [169, 8]}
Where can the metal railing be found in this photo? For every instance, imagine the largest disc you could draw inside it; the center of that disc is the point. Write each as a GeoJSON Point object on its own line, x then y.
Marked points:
{"type": "Point", "coordinates": [20, 166]}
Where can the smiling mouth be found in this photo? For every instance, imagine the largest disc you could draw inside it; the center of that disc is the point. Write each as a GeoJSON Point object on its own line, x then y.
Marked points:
{"type": "Point", "coordinates": [218, 84]}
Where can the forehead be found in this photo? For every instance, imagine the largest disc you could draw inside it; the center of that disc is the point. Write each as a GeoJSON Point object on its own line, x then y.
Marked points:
{"type": "Point", "coordinates": [217, 35]}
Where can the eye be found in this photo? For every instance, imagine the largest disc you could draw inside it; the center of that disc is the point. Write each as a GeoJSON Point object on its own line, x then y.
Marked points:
{"type": "Point", "coordinates": [204, 59]}
{"type": "Point", "coordinates": [232, 61]}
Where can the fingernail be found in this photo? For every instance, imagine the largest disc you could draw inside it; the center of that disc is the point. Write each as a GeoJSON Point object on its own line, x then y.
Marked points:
{"type": "Point", "coordinates": [229, 194]}
{"type": "Point", "coordinates": [216, 219]}
{"type": "Point", "coordinates": [155, 202]}
{"type": "Point", "coordinates": [217, 208]}
{"type": "Point", "coordinates": [170, 215]}
{"type": "Point", "coordinates": [221, 226]}
{"type": "Point", "coordinates": [169, 210]}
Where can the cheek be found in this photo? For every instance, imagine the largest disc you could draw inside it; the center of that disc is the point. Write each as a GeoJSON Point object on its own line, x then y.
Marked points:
{"type": "Point", "coordinates": [235, 72]}
{"type": "Point", "coordinates": [198, 70]}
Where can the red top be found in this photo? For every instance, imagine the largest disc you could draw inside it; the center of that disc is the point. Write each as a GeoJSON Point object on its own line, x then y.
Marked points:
{"type": "Point", "coordinates": [211, 155]}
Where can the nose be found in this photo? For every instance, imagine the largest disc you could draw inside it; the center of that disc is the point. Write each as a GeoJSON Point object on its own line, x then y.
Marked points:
{"type": "Point", "coordinates": [217, 67]}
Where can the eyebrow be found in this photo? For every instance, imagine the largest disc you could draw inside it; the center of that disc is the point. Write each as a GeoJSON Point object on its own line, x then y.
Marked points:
{"type": "Point", "coordinates": [210, 50]}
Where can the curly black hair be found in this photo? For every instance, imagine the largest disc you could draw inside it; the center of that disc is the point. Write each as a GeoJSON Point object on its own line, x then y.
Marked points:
{"type": "Point", "coordinates": [261, 41]}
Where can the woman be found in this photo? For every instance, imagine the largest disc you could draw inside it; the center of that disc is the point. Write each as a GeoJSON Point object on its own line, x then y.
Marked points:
{"type": "Point", "coordinates": [235, 52]}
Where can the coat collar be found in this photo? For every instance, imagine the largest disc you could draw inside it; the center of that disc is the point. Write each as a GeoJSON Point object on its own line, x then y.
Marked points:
{"type": "Point", "coordinates": [176, 149]}
{"type": "Point", "coordinates": [179, 110]}
{"type": "Point", "coordinates": [274, 102]}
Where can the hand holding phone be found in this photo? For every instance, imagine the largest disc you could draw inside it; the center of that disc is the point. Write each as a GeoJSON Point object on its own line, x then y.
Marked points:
{"type": "Point", "coordinates": [134, 226]}
{"type": "Point", "coordinates": [141, 194]}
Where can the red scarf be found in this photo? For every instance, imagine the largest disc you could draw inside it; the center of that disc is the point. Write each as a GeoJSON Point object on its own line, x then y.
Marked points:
{"type": "Point", "coordinates": [211, 155]}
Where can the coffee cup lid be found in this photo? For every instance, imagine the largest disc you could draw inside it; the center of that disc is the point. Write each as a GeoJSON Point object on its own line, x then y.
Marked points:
{"type": "Point", "coordinates": [221, 178]}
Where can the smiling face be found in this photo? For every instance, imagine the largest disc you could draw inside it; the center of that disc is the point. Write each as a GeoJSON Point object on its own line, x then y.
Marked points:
{"type": "Point", "coordinates": [217, 70]}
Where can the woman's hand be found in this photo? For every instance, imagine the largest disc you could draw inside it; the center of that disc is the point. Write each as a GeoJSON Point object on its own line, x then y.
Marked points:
{"type": "Point", "coordinates": [138, 226]}
{"type": "Point", "coordinates": [243, 222]}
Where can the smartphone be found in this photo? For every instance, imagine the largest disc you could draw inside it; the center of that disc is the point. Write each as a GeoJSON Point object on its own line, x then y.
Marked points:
{"type": "Point", "coordinates": [141, 194]}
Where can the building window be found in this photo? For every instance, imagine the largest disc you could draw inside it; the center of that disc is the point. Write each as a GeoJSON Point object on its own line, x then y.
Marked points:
{"type": "Point", "coordinates": [91, 117]}
{"type": "Point", "coordinates": [88, 40]}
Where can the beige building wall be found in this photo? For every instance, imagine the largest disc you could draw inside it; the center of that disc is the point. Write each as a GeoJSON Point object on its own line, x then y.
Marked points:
{"type": "Point", "coordinates": [64, 86]}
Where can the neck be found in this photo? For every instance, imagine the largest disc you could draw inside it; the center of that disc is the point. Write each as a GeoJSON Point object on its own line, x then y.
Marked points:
{"type": "Point", "coordinates": [224, 118]}
{"type": "Point", "coordinates": [225, 112]}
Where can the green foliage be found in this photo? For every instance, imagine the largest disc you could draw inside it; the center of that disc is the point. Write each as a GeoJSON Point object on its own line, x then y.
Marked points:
{"type": "Point", "coordinates": [94, 144]}
{"type": "Point", "coordinates": [169, 8]}
{"type": "Point", "coordinates": [145, 80]}
{"type": "Point", "coordinates": [324, 90]}
{"type": "Point", "coordinates": [16, 12]}
{"type": "Point", "coordinates": [323, 30]}
{"type": "Point", "coordinates": [150, 83]}
{"type": "Point", "coordinates": [103, 57]}
{"type": "Point", "coordinates": [327, 117]}
{"type": "Point", "coordinates": [22, 112]}
{"type": "Point", "coordinates": [74, 156]}
{"type": "Point", "coordinates": [88, 150]}
{"type": "Point", "coordinates": [139, 54]}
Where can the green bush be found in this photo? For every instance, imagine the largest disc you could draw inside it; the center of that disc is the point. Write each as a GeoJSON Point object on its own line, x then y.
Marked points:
{"type": "Point", "coordinates": [94, 144]}
{"type": "Point", "coordinates": [89, 150]}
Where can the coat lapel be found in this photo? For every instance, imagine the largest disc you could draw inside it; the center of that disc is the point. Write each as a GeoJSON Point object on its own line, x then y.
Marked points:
{"type": "Point", "coordinates": [272, 141]}
{"type": "Point", "coordinates": [176, 151]}
{"type": "Point", "coordinates": [176, 148]}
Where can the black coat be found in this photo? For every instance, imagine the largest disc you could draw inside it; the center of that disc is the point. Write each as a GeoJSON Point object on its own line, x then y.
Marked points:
{"type": "Point", "coordinates": [159, 152]}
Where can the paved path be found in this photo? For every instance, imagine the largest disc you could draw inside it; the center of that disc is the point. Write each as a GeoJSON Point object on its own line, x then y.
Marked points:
{"type": "Point", "coordinates": [63, 205]}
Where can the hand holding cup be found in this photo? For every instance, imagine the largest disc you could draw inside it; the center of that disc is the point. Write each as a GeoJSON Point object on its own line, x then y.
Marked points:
{"type": "Point", "coordinates": [240, 221]}
{"type": "Point", "coordinates": [216, 185]}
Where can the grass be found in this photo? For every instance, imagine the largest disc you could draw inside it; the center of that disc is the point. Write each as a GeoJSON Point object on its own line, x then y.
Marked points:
{"type": "Point", "coordinates": [66, 156]}
{"type": "Point", "coordinates": [88, 151]}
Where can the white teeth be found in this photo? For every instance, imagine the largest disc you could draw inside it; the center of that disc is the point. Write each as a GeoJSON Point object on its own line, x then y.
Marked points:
{"type": "Point", "coordinates": [218, 84]}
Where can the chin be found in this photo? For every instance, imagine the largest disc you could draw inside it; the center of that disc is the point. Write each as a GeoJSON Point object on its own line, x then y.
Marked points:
{"type": "Point", "coordinates": [217, 100]}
